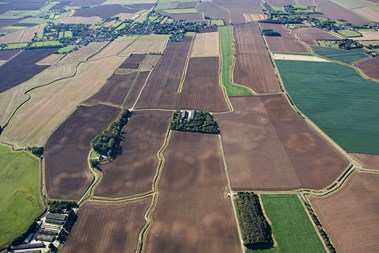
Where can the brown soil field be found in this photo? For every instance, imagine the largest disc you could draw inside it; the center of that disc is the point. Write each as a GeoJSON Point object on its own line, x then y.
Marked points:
{"type": "Point", "coordinates": [367, 35]}
{"type": "Point", "coordinates": [369, 67]}
{"type": "Point", "coordinates": [253, 67]}
{"type": "Point", "coordinates": [213, 11]}
{"type": "Point", "coordinates": [186, 16]}
{"type": "Point", "coordinates": [335, 11]}
{"type": "Point", "coordinates": [149, 62]}
{"type": "Point", "coordinates": [133, 61]}
{"type": "Point", "coordinates": [84, 53]}
{"type": "Point", "coordinates": [104, 11]}
{"type": "Point", "coordinates": [86, 2]}
{"type": "Point", "coordinates": [284, 43]}
{"type": "Point", "coordinates": [12, 98]}
{"type": "Point", "coordinates": [351, 216]}
{"type": "Point", "coordinates": [206, 45]}
{"type": "Point", "coordinates": [116, 227]}
{"type": "Point", "coordinates": [281, 2]}
{"type": "Point", "coordinates": [60, 6]}
{"type": "Point", "coordinates": [161, 87]}
{"type": "Point", "coordinates": [253, 17]}
{"type": "Point", "coordinates": [133, 171]}
{"type": "Point", "coordinates": [50, 60]}
{"type": "Point", "coordinates": [237, 8]}
{"type": "Point", "coordinates": [22, 67]}
{"type": "Point", "coordinates": [115, 90]}
{"type": "Point", "coordinates": [201, 89]}
{"type": "Point", "coordinates": [146, 44]}
{"type": "Point", "coordinates": [186, 5]}
{"type": "Point", "coordinates": [193, 213]}
{"type": "Point", "coordinates": [367, 160]}
{"type": "Point", "coordinates": [8, 54]}
{"type": "Point", "coordinates": [269, 147]}
{"type": "Point", "coordinates": [66, 151]}
{"type": "Point", "coordinates": [50, 105]}
{"type": "Point", "coordinates": [136, 89]}
{"type": "Point", "coordinates": [81, 20]}
{"type": "Point", "coordinates": [113, 48]}
{"type": "Point", "coordinates": [309, 35]}
{"type": "Point", "coordinates": [368, 13]}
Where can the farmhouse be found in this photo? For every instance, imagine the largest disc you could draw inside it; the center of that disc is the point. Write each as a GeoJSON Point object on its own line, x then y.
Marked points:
{"type": "Point", "coordinates": [188, 114]}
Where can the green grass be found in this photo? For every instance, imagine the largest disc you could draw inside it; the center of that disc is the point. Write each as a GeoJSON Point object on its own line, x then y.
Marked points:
{"type": "Point", "coordinates": [67, 49]}
{"type": "Point", "coordinates": [227, 63]}
{"type": "Point", "coordinates": [53, 43]}
{"type": "Point", "coordinates": [181, 11]}
{"type": "Point", "coordinates": [16, 45]}
{"type": "Point", "coordinates": [291, 226]}
{"type": "Point", "coordinates": [327, 43]}
{"type": "Point", "coordinates": [20, 203]}
{"type": "Point", "coordinates": [218, 22]}
{"type": "Point", "coordinates": [341, 102]}
{"type": "Point", "coordinates": [345, 56]}
{"type": "Point", "coordinates": [279, 8]}
{"type": "Point", "coordinates": [299, 6]}
{"type": "Point", "coordinates": [349, 33]}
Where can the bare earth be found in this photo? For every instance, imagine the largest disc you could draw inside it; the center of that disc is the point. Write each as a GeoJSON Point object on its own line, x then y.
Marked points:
{"type": "Point", "coordinates": [297, 57]}
{"type": "Point", "coordinates": [351, 216]}
{"type": "Point", "coordinates": [309, 35]}
{"type": "Point", "coordinates": [367, 160]}
{"type": "Point", "coordinates": [193, 213]}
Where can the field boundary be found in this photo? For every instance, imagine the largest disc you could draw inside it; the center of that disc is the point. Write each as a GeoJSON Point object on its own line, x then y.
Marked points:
{"type": "Point", "coordinates": [184, 73]}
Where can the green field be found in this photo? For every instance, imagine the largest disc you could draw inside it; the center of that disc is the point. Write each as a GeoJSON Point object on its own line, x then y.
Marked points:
{"type": "Point", "coordinates": [16, 45]}
{"type": "Point", "coordinates": [67, 49]}
{"type": "Point", "coordinates": [20, 203]}
{"type": "Point", "coordinates": [349, 33]}
{"type": "Point", "coordinates": [291, 226]}
{"type": "Point", "coordinates": [341, 102]}
{"type": "Point", "coordinates": [181, 11]}
{"type": "Point", "coordinates": [345, 56]}
{"type": "Point", "coordinates": [227, 63]}
{"type": "Point", "coordinates": [53, 43]}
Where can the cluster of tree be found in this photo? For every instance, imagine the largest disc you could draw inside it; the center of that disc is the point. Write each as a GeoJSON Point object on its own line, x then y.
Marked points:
{"type": "Point", "coordinates": [67, 226]}
{"type": "Point", "coordinates": [202, 122]}
{"type": "Point", "coordinates": [323, 234]}
{"type": "Point", "coordinates": [270, 32]}
{"type": "Point", "coordinates": [107, 143]}
{"type": "Point", "coordinates": [283, 19]}
{"type": "Point", "coordinates": [349, 44]}
{"type": "Point", "coordinates": [256, 231]}
{"type": "Point", "coordinates": [21, 238]}
{"type": "Point", "coordinates": [61, 206]}
{"type": "Point", "coordinates": [52, 248]}
{"type": "Point", "coordinates": [37, 151]}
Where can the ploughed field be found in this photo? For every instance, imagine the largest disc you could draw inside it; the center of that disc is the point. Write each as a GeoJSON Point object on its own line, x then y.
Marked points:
{"type": "Point", "coordinates": [369, 67]}
{"type": "Point", "coordinates": [103, 227]}
{"type": "Point", "coordinates": [238, 8]}
{"type": "Point", "coordinates": [132, 172]}
{"type": "Point", "coordinates": [350, 216]}
{"type": "Point", "coordinates": [193, 213]}
{"type": "Point", "coordinates": [267, 146]}
{"type": "Point", "coordinates": [309, 35]}
{"type": "Point", "coordinates": [66, 151]}
{"type": "Point", "coordinates": [253, 67]}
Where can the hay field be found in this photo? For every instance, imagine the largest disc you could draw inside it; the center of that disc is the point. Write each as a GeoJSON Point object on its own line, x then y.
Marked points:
{"type": "Point", "coordinates": [113, 48]}
{"type": "Point", "coordinates": [133, 171]}
{"type": "Point", "coordinates": [149, 62]}
{"type": "Point", "coordinates": [350, 216]}
{"type": "Point", "coordinates": [193, 213]}
{"type": "Point", "coordinates": [66, 151]}
{"type": "Point", "coordinates": [267, 146]}
{"type": "Point", "coordinates": [116, 229]}
{"type": "Point", "coordinates": [367, 35]}
{"type": "Point", "coordinates": [25, 35]}
{"type": "Point", "coordinates": [35, 121]}
{"type": "Point", "coordinates": [206, 45]}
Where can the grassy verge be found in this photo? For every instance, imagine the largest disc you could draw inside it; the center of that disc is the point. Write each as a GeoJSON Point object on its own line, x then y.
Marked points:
{"type": "Point", "coordinates": [20, 200]}
{"type": "Point", "coordinates": [291, 226]}
{"type": "Point", "coordinates": [227, 63]}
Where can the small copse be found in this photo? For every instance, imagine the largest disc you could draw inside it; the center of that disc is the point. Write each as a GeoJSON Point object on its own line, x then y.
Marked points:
{"type": "Point", "coordinates": [193, 121]}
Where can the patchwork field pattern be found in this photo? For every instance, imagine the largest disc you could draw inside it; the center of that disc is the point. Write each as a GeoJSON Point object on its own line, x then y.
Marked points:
{"type": "Point", "coordinates": [283, 153]}
{"type": "Point", "coordinates": [180, 224]}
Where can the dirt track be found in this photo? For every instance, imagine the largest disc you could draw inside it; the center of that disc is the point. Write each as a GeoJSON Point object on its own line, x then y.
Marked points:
{"type": "Point", "coordinates": [66, 151]}
{"type": "Point", "coordinates": [269, 147]}
{"type": "Point", "coordinates": [193, 213]}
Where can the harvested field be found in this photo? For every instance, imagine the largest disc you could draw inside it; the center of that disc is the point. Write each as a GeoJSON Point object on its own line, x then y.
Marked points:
{"type": "Point", "coordinates": [213, 11]}
{"type": "Point", "coordinates": [237, 8]}
{"type": "Point", "coordinates": [369, 67]}
{"type": "Point", "coordinates": [287, 153]}
{"type": "Point", "coordinates": [84, 53]}
{"type": "Point", "coordinates": [253, 67]}
{"type": "Point", "coordinates": [66, 151]}
{"type": "Point", "coordinates": [350, 216]}
{"type": "Point", "coordinates": [50, 105]}
{"type": "Point", "coordinates": [113, 48]}
{"type": "Point", "coordinates": [309, 35]}
{"type": "Point", "coordinates": [186, 16]}
{"type": "Point", "coordinates": [284, 43]}
{"type": "Point", "coordinates": [146, 44]}
{"type": "Point", "coordinates": [367, 160]}
{"type": "Point", "coordinates": [24, 35]}
{"type": "Point", "coordinates": [149, 62]}
{"type": "Point", "coordinates": [161, 87]}
{"type": "Point", "coordinates": [201, 88]}
{"type": "Point", "coordinates": [335, 11]}
{"type": "Point", "coordinates": [253, 17]}
{"type": "Point", "coordinates": [8, 54]}
{"type": "Point", "coordinates": [368, 13]}
{"type": "Point", "coordinates": [133, 171]}
{"type": "Point", "coordinates": [22, 67]}
{"type": "Point", "coordinates": [206, 45]}
{"type": "Point", "coordinates": [104, 11]}
{"type": "Point", "coordinates": [186, 219]}
{"type": "Point", "coordinates": [133, 61]}
{"type": "Point", "coordinates": [50, 60]}
{"type": "Point", "coordinates": [86, 2]}
{"type": "Point", "coordinates": [368, 35]}
{"type": "Point", "coordinates": [122, 71]}
{"type": "Point", "coordinates": [116, 229]}
{"type": "Point", "coordinates": [297, 57]}
{"type": "Point", "coordinates": [81, 20]}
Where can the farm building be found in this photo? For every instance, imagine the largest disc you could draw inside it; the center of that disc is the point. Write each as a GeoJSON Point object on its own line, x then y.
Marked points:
{"type": "Point", "coordinates": [188, 114]}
